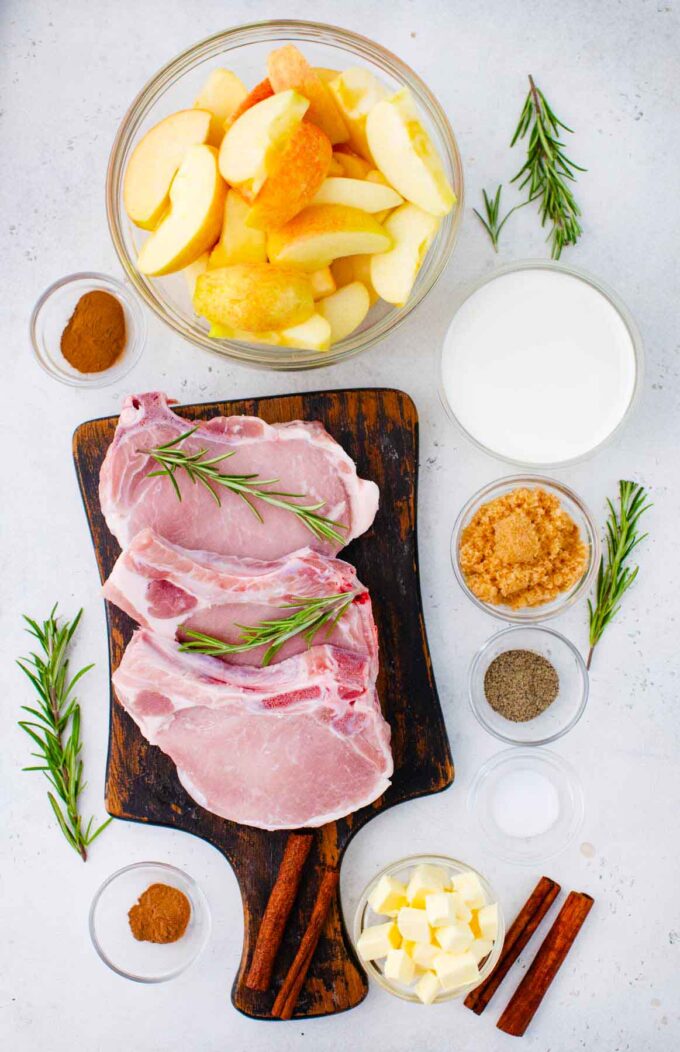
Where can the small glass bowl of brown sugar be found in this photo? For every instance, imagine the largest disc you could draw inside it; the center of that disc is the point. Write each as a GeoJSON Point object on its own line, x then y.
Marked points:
{"type": "Point", "coordinates": [88, 330]}
{"type": "Point", "coordinates": [524, 548]}
{"type": "Point", "coordinates": [149, 921]}
{"type": "Point", "coordinates": [528, 685]}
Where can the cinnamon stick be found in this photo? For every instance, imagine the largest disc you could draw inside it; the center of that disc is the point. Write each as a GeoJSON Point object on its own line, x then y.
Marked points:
{"type": "Point", "coordinates": [281, 899]}
{"type": "Point", "coordinates": [546, 964]}
{"type": "Point", "coordinates": [286, 999]}
{"type": "Point", "coordinates": [520, 931]}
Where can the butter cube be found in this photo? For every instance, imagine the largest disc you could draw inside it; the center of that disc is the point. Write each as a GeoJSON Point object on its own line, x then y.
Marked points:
{"type": "Point", "coordinates": [480, 949]}
{"type": "Point", "coordinates": [463, 911]}
{"type": "Point", "coordinates": [377, 941]}
{"type": "Point", "coordinates": [424, 953]}
{"type": "Point", "coordinates": [388, 896]}
{"type": "Point", "coordinates": [488, 921]}
{"type": "Point", "coordinates": [400, 967]}
{"type": "Point", "coordinates": [456, 970]}
{"type": "Point", "coordinates": [470, 889]}
{"type": "Point", "coordinates": [441, 908]}
{"type": "Point", "coordinates": [454, 938]}
{"type": "Point", "coordinates": [424, 880]}
{"type": "Point", "coordinates": [427, 988]}
{"type": "Point", "coordinates": [413, 925]}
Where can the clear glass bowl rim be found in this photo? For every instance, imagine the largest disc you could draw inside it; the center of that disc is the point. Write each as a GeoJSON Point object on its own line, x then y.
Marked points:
{"type": "Point", "coordinates": [600, 286]}
{"type": "Point", "coordinates": [259, 355]}
{"type": "Point", "coordinates": [137, 338]}
{"type": "Point", "coordinates": [516, 753]}
{"type": "Point", "coordinates": [437, 860]}
{"type": "Point", "coordinates": [198, 897]}
{"type": "Point", "coordinates": [531, 614]}
{"type": "Point", "coordinates": [581, 665]}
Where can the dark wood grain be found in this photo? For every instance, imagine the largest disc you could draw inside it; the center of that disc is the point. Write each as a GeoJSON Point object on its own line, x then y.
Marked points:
{"type": "Point", "coordinates": [379, 429]}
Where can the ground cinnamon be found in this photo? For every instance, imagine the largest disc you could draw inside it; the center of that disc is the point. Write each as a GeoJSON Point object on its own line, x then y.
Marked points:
{"type": "Point", "coordinates": [161, 914]}
{"type": "Point", "coordinates": [94, 337]}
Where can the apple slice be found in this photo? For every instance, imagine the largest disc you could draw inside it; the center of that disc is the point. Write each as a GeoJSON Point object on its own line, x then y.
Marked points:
{"type": "Point", "coordinates": [345, 309]}
{"type": "Point", "coordinates": [238, 242]}
{"type": "Point", "coordinates": [322, 233]}
{"type": "Point", "coordinates": [154, 162]}
{"type": "Point", "coordinates": [193, 223]}
{"type": "Point", "coordinates": [325, 74]}
{"type": "Point", "coordinates": [360, 193]}
{"type": "Point", "coordinates": [356, 92]}
{"type": "Point", "coordinates": [221, 94]}
{"type": "Point", "coordinates": [405, 155]}
{"type": "Point", "coordinates": [259, 93]}
{"type": "Point", "coordinates": [354, 268]}
{"type": "Point", "coordinates": [311, 335]}
{"type": "Point", "coordinates": [323, 283]}
{"type": "Point", "coordinates": [254, 296]}
{"type": "Point", "coordinates": [393, 273]}
{"type": "Point", "coordinates": [253, 143]}
{"type": "Point", "coordinates": [288, 68]}
{"type": "Point", "coordinates": [199, 266]}
{"type": "Point", "coordinates": [298, 172]}
{"type": "Point", "coordinates": [353, 166]}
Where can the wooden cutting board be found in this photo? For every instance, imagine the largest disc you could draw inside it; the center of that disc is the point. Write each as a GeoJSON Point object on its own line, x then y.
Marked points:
{"type": "Point", "coordinates": [379, 430]}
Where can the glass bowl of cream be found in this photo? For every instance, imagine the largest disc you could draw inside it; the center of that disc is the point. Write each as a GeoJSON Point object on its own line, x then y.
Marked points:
{"type": "Point", "coordinates": [541, 364]}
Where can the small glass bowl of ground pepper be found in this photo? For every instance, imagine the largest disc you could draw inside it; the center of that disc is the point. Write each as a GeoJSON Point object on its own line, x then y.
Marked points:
{"type": "Point", "coordinates": [149, 921]}
{"type": "Point", "coordinates": [524, 548]}
{"type": "Point", "coordinates": [528, 685]}
{"type": "Point", "coordinates": [88, 330]}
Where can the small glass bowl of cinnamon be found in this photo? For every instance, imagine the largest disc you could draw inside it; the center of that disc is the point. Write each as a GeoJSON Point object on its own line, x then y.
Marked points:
{"type": "Point", "coordinates": [525, 548]}
{"type": "Point", "coordinates": [139, 933]}
{"type": "Point", "coordinates": [97, 320]}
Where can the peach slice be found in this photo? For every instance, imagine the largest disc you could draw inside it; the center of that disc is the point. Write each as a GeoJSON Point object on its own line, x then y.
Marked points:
{"type": "Point", "coordinates": [394, 272]}
{"type": "Point", "coordinates": [254, 296]}
{"type": "Point", "coordinates": [252, 144]}
{"type": "Point", "coordinates": [311, 335]}
{"type": "Point", "coordinates": [199, 266]}
{"type": "Point", "coordinates": [297, 175]}
{"type": "Point", "coordinates": [345, 309]}
{"type": "Point", "coordinates": [360, 193]}
{"type": "Point", "coordinates": [404, 153]}
{"type": "Point", "coordinates": [193, 223]}
{"type": "Point", "coordinates": [353, 166]}
{"type": "Point", "coordinates": [322, 233]}
{"type": "Point", "coordinates": [354, 268]}
{"type": "Point", "coordinates": [222, 93]}
{"type": "Point", "coordinates": [259, 93]}
{"type": "Point", "coordinates": [288, 68]}
{"type": "Point", "coordinates": [323, 283]}
{"type": "Point", "coordinates": [356, 92]}
{"type": "Point", "coordinates": [154, 163]}
{"type": "Point", "coordinates": [238, 242]}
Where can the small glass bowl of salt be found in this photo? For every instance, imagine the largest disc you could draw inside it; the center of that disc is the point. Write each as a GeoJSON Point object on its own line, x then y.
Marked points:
{"type": "Point", "coordinates": [527, 804]}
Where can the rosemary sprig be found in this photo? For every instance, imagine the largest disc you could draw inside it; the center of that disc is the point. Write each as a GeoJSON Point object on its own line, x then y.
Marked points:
{"type": "Point", "coordinates": [492, 206]}
{"type": "Point", "coordinates": [547, 170]}
{"type": "Point", "coordinates": [203, 469]}
{"type": "Point", "coordinates": [55, 725]}
{"type": "Point", "coordinates": [614, 578]}
{"type": "Point", "coordinates": [311, 614]}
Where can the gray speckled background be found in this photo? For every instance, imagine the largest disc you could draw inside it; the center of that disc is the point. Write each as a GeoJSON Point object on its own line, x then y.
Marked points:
{"type": "Point", "coordinates": [68, 72]}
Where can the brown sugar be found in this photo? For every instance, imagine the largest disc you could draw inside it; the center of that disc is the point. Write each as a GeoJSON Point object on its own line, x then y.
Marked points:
{"type": "Point", "coordinates": [522, 549]}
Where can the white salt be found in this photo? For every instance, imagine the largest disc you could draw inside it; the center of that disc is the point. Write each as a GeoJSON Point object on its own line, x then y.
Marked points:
{"type": "Point", "coordinates": [525, 803]}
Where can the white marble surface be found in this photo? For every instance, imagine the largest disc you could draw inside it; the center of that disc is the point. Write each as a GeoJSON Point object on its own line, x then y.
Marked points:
{"type": "Point", "coordinates": [68, 72]}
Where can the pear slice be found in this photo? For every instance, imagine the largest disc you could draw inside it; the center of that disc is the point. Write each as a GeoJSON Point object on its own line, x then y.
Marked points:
{"type": "Point", "coordinates": [193, 223]}
{"type": "Point", "coordinates": [393, 273]}
{"type": "Point", "coordinates": [404, 153]}
{"type": "Point", "coordinates": [321, 233]}
{"type": "Point", "coordinates": [154, 163]}
{"type": "Point", "coordinates": [252, 144]}
{"type": "Point", "coordinates": [258, 297]}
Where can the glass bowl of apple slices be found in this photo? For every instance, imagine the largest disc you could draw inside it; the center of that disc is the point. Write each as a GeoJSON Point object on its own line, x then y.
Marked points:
{"type": "Point", "coordinates": [284, 193]}
{"type": "Point", "coordinates": [428, 928]}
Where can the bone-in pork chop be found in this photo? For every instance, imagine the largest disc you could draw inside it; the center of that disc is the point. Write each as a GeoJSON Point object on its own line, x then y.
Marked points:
{"type": "Point", "coordinates": [299, 743]}
{"type": "Point", "coordinates": [172, 590]}
{"type": "Point", "coordinates": [300, 455]}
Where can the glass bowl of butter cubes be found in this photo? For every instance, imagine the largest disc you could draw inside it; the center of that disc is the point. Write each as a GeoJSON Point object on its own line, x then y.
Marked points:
{"type": "Point", "coordinates": [428, 928]}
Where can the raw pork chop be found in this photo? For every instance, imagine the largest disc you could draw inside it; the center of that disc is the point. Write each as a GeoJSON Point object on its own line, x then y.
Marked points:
{"type": "Point", "coordinates": [170, 589]}
{"type": "Point", "coordinates": [296, 744]}
{"type": "Point", "coordinates": [301, 455]}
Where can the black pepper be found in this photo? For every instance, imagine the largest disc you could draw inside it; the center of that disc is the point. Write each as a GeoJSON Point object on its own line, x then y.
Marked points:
{"type": "Point", "coordinates": [520, 685]}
